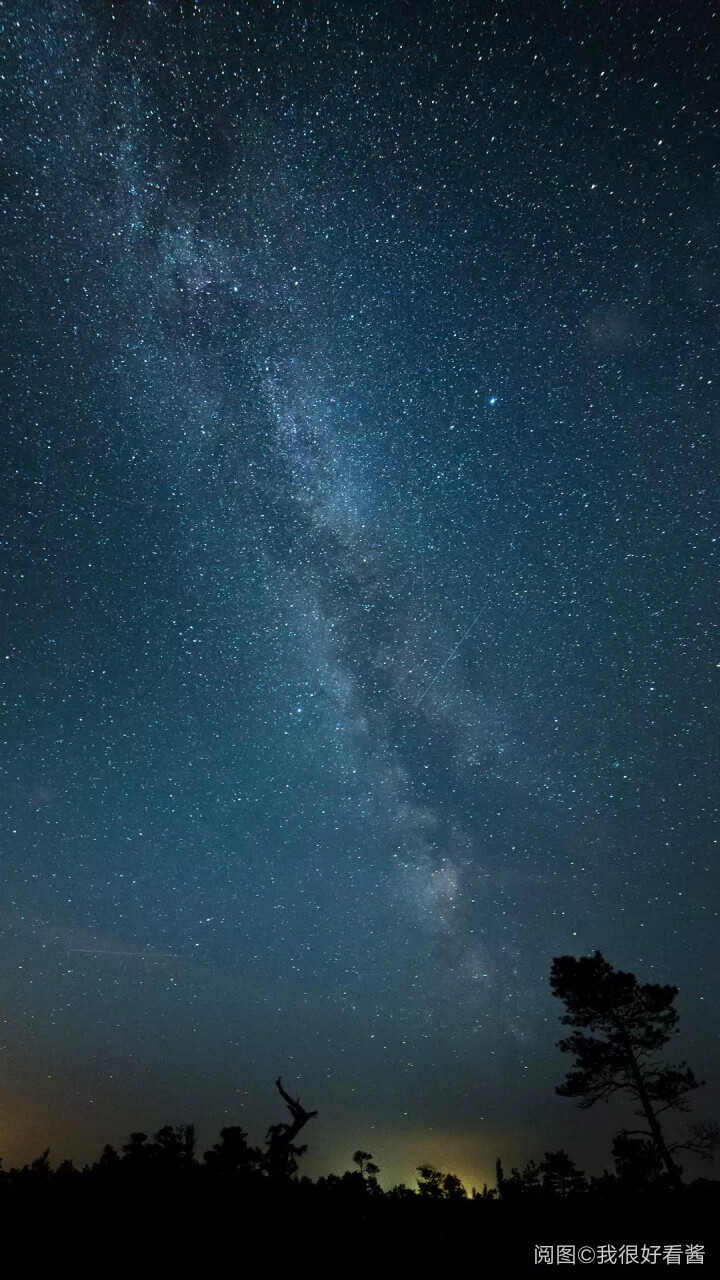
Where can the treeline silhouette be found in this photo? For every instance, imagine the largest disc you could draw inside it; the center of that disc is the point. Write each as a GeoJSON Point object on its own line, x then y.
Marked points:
{"type": "Point", "coordinates": [169, 1160]}
{"type": "Point", "coordinates": [619, 1026]}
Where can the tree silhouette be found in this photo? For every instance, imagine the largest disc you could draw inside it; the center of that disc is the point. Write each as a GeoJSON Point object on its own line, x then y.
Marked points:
{"type": "Point", "coordinates": [638, 1166]}
{"type": "Point", "coordinates": [109, 1164]}
{"type": "Point", "coordinates": [172, 1151]}
{"type": "Point", "coordinates": [633, 1022]}
{"type": "Point", "coordinates": [282, 1155]}
{"type": "Point", "coordinates": [434, 1185]}
{"type": "Point", "coordinates": [136, 1155]}
{"type": "Point", "coordinates": [521, 1182]}
{"type": "Point", "coordinates": [231, 1156]}
{"type": "Point", "coordinates": [368, 1169]}
{"type": "Point", "coordinates": [38, 1170]}
{"type": "Point", "coordinates": [560, 1175]}
{"type": "Point", "coordinates": [429, 1182]}
{"type": "Point", "coordinates": [364, 1161]}
{"type": "Point", "coordinates": [453, 1188]}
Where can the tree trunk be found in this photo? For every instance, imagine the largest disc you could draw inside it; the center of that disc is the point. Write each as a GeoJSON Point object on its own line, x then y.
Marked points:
{"type": "Point", "coordinates": [653, 1122]}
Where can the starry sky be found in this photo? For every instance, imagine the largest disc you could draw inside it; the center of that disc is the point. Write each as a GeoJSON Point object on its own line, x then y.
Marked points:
{"type": "Point", "coordinates": [359, 517]}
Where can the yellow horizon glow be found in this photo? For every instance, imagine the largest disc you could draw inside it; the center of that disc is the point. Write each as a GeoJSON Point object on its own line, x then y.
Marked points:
{"type": "Point", "coordinates": [470, 1156]}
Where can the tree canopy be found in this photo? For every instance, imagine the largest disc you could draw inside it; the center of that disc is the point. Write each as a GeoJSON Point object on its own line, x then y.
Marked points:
{"type": "Point", "coordinates": [624, 1024]}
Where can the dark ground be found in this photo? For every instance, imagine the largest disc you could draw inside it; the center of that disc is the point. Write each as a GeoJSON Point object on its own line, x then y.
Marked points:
{"type": "Point", "coordinates": [158, 1233]}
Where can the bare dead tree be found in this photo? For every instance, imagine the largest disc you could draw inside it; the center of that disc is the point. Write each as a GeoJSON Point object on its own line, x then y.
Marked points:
{"type": "Point", "coordinates": [282, 1154]}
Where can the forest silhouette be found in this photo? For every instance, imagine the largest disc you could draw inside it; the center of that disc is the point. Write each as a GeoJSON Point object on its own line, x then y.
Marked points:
{"type": "Point", "coordinates": [619, 1026]}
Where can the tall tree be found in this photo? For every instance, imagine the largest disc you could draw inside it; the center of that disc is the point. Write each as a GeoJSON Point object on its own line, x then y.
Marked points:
{"type": "Point", "coordinates": [368, 1170]}
{"type": "Point", "coordinates": [630, 1022]}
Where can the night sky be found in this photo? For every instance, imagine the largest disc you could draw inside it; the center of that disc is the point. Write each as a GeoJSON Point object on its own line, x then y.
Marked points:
{"type": "Point", "coordinates": [359, 517]}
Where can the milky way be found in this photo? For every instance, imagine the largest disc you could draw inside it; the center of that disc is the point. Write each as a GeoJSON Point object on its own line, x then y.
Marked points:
{"type": "Point", "coordinates": [358, 556]}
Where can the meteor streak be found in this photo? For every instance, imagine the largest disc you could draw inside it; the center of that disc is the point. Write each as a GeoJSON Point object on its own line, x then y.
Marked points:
{"type": "Point", "coordinates": [449, 658]}
{"type": "Point", "coordinates": [135, 955]}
